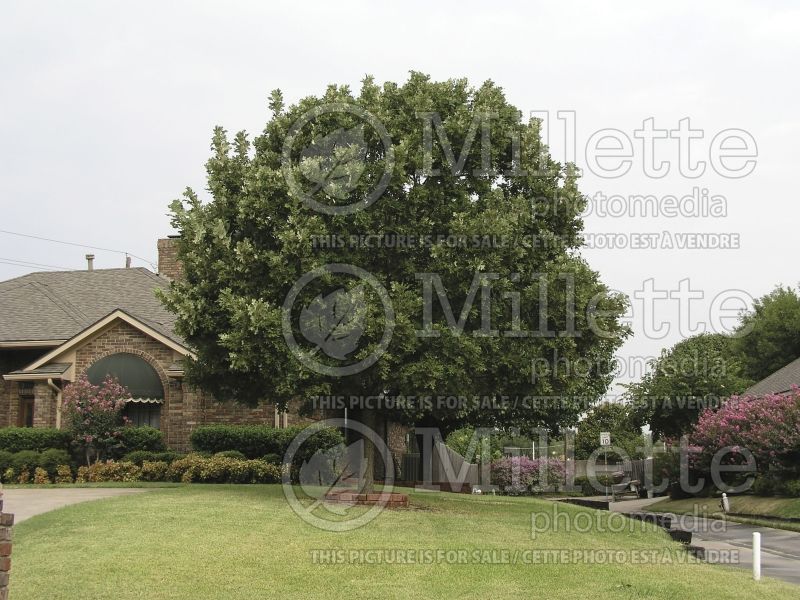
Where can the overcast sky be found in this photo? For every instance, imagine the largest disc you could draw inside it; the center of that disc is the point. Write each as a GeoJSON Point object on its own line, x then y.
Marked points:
{"type": "Point", "coordinates": [106, 112]}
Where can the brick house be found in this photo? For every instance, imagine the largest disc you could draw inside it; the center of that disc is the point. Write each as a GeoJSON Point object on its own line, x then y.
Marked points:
{"type": "Point", "coordinates": [55, 326]}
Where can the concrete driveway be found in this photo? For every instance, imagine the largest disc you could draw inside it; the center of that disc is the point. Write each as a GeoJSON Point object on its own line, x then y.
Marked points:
{"type": "Point", "coordinates": [26, 503]}
{"type": "Point", "coordinates": [780, 549]}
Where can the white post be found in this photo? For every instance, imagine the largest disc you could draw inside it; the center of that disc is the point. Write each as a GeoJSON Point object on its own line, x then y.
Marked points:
{"type": "Point", "coordinates": [756, 556]}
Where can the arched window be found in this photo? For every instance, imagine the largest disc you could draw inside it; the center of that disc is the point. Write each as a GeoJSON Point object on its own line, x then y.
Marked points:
{"type": "Point", "coordinates": [141, 380]}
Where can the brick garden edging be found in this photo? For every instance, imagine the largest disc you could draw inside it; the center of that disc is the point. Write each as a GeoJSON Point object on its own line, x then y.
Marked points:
{"type": "Point", "coordinates": [6, 522]}
{"type": "Point", "coordinates": [390, 500]}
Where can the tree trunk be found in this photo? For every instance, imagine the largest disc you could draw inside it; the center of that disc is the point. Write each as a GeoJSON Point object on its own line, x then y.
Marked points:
{"type": "Point", "coordinates": [369, 418]}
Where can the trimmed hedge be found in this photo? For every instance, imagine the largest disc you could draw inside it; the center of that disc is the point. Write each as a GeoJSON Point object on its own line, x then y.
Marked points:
{"type": "Point", "coordinates": [189, 469]}
{"type": "Point", "coordinates": [12, 465]}
{"type": "Point", "coordinates": [138, 457]}
{"type": "Point", "coordinates": [17, 439]}
{"type": "Point", "coordinates": [145, 438]}
{"type": "Point", "coordinates": [257, 441]}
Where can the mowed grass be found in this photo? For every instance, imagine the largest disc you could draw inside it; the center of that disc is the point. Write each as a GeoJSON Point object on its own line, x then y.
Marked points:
{"type": "Point", "coordinates": [244, 542]}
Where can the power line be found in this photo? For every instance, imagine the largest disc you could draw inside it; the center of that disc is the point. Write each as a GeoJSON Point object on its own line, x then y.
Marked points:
{"type": "Point", "coordinates": [27, 263]}
{"type": "Point", "coordinates": [28, 267]}
{"type": "Point", "coordinates": [44, 239]}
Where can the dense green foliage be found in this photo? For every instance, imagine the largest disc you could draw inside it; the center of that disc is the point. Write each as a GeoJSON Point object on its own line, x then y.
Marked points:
{"type": "Point", "coordinates": [145, 438]}
{"type": "Point", "coordinates": [244, 250]}
{"type": "Point", "coordinates": [258, 441]}
{"type": "Point", "coordinates": [770, 333]}
{"type": "Point", "coordinates": [14, 439]}
{"type": "Point", "coordinates": [140, 456]}
{"type": "Point", "coordinates": [694, 374]}
{"type": "Point", "coordinates": [13, 464]}
{"type": "Point", "coordinates": [615, 418]}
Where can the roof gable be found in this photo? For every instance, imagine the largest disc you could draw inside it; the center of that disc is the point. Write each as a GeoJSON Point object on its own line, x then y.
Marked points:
{"type": "Point", "coordinates": [101, 325]}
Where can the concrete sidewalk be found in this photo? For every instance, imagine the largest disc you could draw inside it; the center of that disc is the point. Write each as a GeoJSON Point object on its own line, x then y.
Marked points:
{"type": "Point", "coordinates": [26, 503]}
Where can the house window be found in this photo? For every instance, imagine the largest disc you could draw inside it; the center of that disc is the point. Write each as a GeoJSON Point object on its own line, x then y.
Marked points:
{"type": "Point", "coordinates": [26, 404]}
{"type": "Point", "coordinates": [140, 379]}
{"type": "Point", "coordinates": [143, 414]}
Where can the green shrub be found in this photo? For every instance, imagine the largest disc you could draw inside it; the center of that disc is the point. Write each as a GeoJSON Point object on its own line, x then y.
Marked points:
{"type": "Point", "coordinates": [6, 460]}
{"type": "Point", "coordinates": [264, 472]}
{"type": "Point", "coordinates": [138, 457]}
{"type": "Point", "coordinates": [231, 454]}
{"type": "Point", "coordinates": [25, 460]}
{"type": "Point", "coordinates": [792, 488]}
{"type": "Point", "coordinates": [141, 438]}
{"type": "Point", "coordinates": [17, 439]}
{"type": "Point", "coordinates": [586, 487]}
{"type": "Point", "coordinates": [154, 470]}
{"type": "Point", "coordinates": [8, 475]}
{"type": "Point", "coordinates": [764, 485]}
{"type": "Point", "coordinates": [51, 459]}
{"type": "Point", "coordinates": [255, 441]}
{"type": "Point", "coordinates": [273, 459]}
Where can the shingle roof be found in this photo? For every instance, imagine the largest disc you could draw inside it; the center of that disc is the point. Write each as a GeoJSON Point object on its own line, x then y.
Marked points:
{"type": "Point", "coordinates": [780, 381]}
{"type": "Point", "coordinates": [48, 369]}
{"type": "Point", "coordinates": [57, 305]}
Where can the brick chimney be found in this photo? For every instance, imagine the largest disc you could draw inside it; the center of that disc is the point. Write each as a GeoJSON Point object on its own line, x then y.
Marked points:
{"type": "Point", "coordinates": [168, 264]}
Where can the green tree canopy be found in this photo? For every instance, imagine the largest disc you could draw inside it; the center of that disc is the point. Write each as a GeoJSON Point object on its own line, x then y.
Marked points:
{"type": "Point", "coordinates": [695, 373]}
{"type": "Point", "coordinates": [616, 419]}
{"type": "Point", "coordinates": [245, 249]}
{"type": "Point", "coordinates": [769, 335]}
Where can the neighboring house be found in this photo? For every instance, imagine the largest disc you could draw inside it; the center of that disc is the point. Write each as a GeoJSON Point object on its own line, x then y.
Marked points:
{"type": "Point", "coordinates": [55, 326]}
{"type": "Point", "coordinates": [780, 382]}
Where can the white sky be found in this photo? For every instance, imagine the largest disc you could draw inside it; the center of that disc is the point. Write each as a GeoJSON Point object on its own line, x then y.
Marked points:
{"type": "Point", "coordinates": [106, 111]}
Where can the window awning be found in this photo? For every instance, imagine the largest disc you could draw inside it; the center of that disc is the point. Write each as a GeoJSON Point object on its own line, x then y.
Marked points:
{"type": "Point", "coordinates": [145, 400]}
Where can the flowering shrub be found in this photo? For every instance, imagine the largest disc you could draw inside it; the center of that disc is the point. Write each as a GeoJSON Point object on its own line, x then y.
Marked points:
{"type": "Point", "coordinates": [768, 426]}
{"type": "Point", "coordinates": [94, 415]}
{"type": "Point", "coordinates": [520, 475]}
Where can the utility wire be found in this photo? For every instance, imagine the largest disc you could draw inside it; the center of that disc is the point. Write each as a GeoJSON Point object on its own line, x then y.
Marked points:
{"type": "Point", "coordinates": [27, 263]}
{"type": "Point", "coordinates": [44, 239]}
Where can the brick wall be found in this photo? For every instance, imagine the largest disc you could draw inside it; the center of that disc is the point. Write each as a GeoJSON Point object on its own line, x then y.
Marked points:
{"type": "Point", "coordinates": [122, 337]}
{"type": "Point", "coordinates": [6, 522]}
{"type": "Point", "coordinates": [6, 400]}
{"type": "Point", "coordinates": [44, 405]}
{"type": "Point", "coordinates": [168, 264]}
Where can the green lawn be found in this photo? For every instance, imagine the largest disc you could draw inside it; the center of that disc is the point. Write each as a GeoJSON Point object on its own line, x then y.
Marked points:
{"type": "Point", "coordinates": [751, 505]}
{"type": "Point", "coordinates": [244, 542]}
